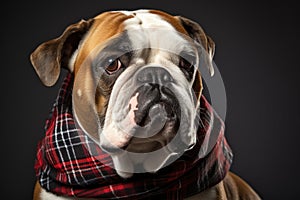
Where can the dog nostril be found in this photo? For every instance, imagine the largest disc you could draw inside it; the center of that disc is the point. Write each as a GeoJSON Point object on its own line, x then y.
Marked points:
{"type": "Point", "coordinates": [166, 77]}
{"type": "Point", "coordinates": [145, 77]}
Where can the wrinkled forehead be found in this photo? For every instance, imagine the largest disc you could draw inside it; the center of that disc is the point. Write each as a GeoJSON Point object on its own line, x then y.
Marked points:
{"type": "Point", "coordinates": [155, 30]}
{"type": "Point", "coordinates": [151, 19]}
{"type": "Point", "coordinates": [144, 28]}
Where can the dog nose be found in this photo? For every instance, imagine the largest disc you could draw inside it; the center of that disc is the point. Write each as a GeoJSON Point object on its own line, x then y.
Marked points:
{"type": "Point", "coordinates": [157, 75]}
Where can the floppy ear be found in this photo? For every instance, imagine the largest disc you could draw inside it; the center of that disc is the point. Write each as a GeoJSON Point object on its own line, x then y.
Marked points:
{"type": "Point", "coordinates": [50, 56]}
{"type": "Point", "coordinates": [197, 33]}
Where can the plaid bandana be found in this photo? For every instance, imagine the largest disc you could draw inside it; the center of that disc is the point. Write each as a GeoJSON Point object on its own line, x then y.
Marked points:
{"type": "Point", "coordinates": [69, 163]}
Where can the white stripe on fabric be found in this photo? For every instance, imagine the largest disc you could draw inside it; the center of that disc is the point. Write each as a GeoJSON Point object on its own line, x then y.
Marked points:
{"type": "Point", "coordinates": [74, 154]}
{"type": "Point", "coordinates": [57, 144]}
{"type": "Point", "coordinates": [113, 192]}
{"type": "Point", "coordinates": [93, 159]}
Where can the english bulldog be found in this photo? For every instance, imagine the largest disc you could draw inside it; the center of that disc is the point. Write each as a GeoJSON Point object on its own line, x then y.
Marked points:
{"type": "Point", "coordinates": [136, 87]}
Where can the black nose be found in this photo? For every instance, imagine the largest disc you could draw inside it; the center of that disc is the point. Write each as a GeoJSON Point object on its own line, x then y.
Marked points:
{"type": "Point", "coordinates": [155, 75]}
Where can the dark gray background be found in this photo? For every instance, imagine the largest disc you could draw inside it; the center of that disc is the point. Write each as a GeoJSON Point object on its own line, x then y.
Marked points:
{"type": "Point", "coordinates": [257, 52]}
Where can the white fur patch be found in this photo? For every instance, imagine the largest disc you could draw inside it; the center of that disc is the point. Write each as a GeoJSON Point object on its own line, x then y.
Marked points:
{"type": "Point", "coordinates": [149, 30]}
{"type": "Point", "coordinates": [145, 19]}
{"type": "Point", "coordinates": [72, 60]}
{"type": "Point", "coordinates": [79, 92]}
{"type": "Point", "coordinates": [44, 195]}
{"type": "Point", "coordinates": [128, 13]}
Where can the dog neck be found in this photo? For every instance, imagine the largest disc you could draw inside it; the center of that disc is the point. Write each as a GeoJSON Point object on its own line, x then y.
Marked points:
{"type": "Point", "coordinates": [69, 163]}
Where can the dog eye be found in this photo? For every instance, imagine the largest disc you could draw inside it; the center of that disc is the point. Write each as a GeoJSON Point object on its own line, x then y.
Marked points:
{"type": "Point", "coordinates": [183, 63]}
{"type": "Point", "coordinates": [113, 65]}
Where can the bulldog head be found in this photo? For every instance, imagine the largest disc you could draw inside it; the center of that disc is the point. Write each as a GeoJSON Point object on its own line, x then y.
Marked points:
{"type": "Point", "coordinates": [137, 85]}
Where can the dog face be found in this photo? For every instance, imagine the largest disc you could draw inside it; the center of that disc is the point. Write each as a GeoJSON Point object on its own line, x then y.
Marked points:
{"type": "Point", "coordinates": [137, 83]}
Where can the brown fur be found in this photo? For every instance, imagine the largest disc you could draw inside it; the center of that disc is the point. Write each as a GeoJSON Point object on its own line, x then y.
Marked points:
{"type": "Point", "coordinates": [37, 191]}
{"type": "Point", "coordinates": [53, 55]}
{"type": "Point", "coordinates": [105, 26]}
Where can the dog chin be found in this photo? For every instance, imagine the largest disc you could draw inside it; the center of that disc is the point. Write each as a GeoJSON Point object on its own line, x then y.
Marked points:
{"type": "Point", "coordinates": [128, 163]}
{"type": "Point", "coordinates": [137, 155]}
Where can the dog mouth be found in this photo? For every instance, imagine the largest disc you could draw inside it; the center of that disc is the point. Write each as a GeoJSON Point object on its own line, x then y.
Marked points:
{"type": "Point", "coordinates": [160, 130]}
{"type": "Point", "coordinates": [156, 113]}
{"type": "Point", "coordinates": [151, 123]}
{"type": "Point", "coordinates": [151, 98]}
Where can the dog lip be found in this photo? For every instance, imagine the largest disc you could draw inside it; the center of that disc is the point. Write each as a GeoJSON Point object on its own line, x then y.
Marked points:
{"type": "Point", "coordinates": [166, 104]}
{"type": "Point", "coordinates": [154, 142]}
{"type": "Point", "coordinates": [112, 143]}
{"type": "Point", "coordinates": [143, 146]}
{"type": "Point", "coordinates": [149, 95]}
{"type": "Point", "coordinates": [142, 118]}
{"type": "Point", "coordinates": [110, 149]}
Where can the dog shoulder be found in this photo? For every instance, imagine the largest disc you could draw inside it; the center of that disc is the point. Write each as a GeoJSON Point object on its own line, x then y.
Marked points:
{"type": "Point", "coordinates": [42, 194]}
{"type": "Point", "coordinates": [216, 192]}
{"type": "Point", "coordinates": [231, 188]}
{"type": "Point", "coordinates": [238, 189]}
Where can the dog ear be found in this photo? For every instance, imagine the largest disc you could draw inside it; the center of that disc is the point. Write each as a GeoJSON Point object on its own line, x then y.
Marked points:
{"type": "Point", "coordinates": [197, 33]}
{"type": "Point", "coordinates": [50, 56]}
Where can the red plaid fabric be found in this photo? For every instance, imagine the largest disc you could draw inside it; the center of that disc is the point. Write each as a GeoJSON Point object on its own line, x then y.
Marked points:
{"type": "Point", "coordinates": [69, 163]}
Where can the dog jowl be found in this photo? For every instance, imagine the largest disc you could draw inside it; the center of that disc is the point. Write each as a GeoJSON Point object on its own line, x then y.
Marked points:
{"type": "Point", "coordinates": [133, 95]}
